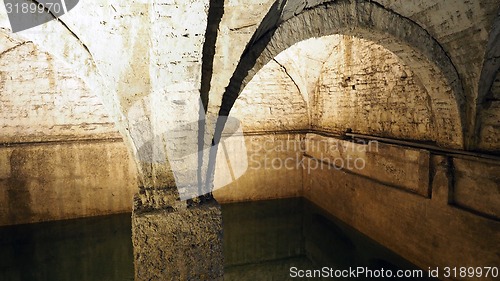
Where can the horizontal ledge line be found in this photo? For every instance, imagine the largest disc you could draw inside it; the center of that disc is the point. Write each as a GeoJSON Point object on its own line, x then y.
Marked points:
{"type": "Point", "coordinates": [56, 142]}
{"type": "Point", "coordinates": [431, 148]}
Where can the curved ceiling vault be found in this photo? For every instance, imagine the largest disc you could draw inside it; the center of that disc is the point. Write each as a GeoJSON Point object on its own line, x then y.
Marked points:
{"type": "Point", "coordinates": [42, 98]}
{"type": "Point", "coordinates": [335, 83]}
{"type": "Point", "coordinates": [369, 21]}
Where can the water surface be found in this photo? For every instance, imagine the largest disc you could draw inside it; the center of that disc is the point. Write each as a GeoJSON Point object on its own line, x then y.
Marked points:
{"type": "Point", "coordinates": [262, 241]}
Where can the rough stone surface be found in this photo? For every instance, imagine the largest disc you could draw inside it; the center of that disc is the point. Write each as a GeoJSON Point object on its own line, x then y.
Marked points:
{"type": "Point", "coordinates": [412, 201]}
{"type": "Point", "coordinates": [283, 165]}
{"type": "Point", "coordinates": [43, 99]}
{"type": "Point", "coordinates": [130, 71]}
{"type": "Point", "coordinates": [235, 31]}
{"type": "Point", "coordinates": [447, 25]}
{"type": "Point", "coordinates": [173, 103]}
{"type": "Point", "coordinates": [181, 244]}
{"type": "Point", "coordinates": [138, 70]}
{"type": "Point", "coordinates": [64, 42]}
{"type": "Point", "coordinates": [127, 73]}
{"type": "Point", "coordinates": [72, 162]}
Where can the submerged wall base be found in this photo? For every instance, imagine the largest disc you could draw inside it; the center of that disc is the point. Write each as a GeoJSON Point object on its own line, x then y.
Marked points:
{"type": "Point", "coordinates": [178, 243]}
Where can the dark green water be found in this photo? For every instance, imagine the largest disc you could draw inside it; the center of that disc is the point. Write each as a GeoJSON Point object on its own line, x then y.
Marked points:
{"type": "Point", "coordinates": [97, 249]}
{"type": "Point", "coordinates": [262, 241]}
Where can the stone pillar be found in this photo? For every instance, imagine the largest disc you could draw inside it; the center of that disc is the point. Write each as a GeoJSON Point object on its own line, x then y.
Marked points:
{"type": "Point", "coordinates": [176, 242]}
{"type": "Point", "coordinates": [173, 240]}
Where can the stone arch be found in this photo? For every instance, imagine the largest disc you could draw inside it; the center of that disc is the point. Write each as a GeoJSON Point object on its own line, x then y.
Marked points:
{"type": "Point", "coordinates": [369, 21]}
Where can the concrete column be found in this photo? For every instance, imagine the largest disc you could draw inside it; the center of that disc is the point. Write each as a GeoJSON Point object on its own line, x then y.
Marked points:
{"type": "Point", "coordinates": [178, 243]}
{"type": "Point", "coordinates": [173, 240]}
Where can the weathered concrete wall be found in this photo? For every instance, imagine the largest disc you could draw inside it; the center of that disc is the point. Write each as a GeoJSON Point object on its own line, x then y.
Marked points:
{"type": "Point", "coordinates": [238, 23]}
{"type": "Point", "coordinates": [444, 24]}
{"type": "Point", "coordinates": [391, 187]}
{"type": "Point", "coordinates": [65, 180]}
{"type": "Point", "coordinates": [282, 165]}
{"type": "Point", "coordinates": [86, 48]}
{"type": "Point", "coordinates": [128, 73]}
{"type": "Point", "coordinates": [173, 102]}
{"type": "Point", "coordinates": [150, 82]}
{"type": "Point", "coordinates": [139, 70]}
{"type": "Point", "coordinates": [338, 82]}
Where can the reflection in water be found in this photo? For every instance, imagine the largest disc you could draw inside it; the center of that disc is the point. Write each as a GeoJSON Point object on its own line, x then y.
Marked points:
{"type": "Point", "coordinates": [262, 240]}
{"type": "Point", "coordinates": [96, 249]}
